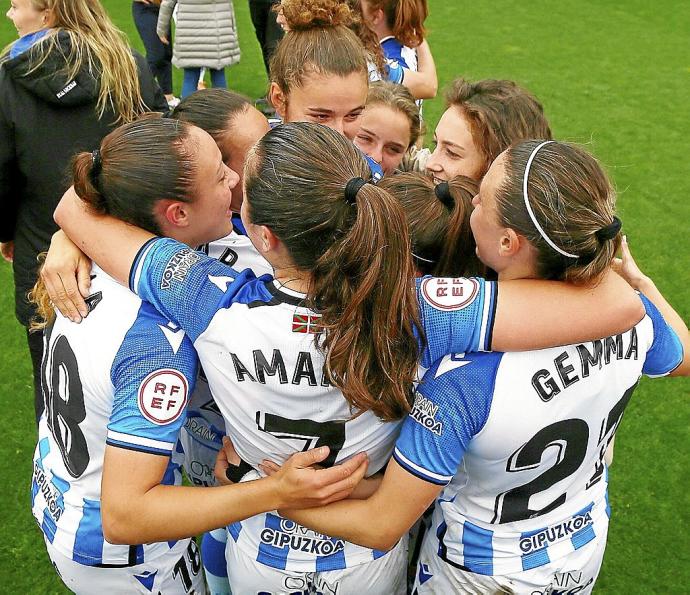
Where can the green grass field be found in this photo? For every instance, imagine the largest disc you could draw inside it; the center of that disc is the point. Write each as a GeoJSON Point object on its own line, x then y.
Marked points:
{"type": "Point", "coordinates": [613, 75]}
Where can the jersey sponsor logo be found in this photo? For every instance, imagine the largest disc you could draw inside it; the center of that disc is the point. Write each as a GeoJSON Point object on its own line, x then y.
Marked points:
{"type": "Point", "coordinates": [305, 323]}
{"type": "Point", "coordinates": [602, 352]}
{"type": "Point", "coordinates": [449, 294]}
{"type": "Point", "coordinates": [50, 493]}
{"type": "Point", "coordinates": [178, 267]}
{"type": "Point", "coordinates": [424, 413]}
{"type": "Point", "coordinates": [311, 583]}
{"type": "Point", "coordinates": [201, 430]}
{"type": "Point", "coordinates": [301, 539]}
{"type": "Point", "coordinates": [163, 396]}
{"type": "Point", "coordinates": [547, 536]}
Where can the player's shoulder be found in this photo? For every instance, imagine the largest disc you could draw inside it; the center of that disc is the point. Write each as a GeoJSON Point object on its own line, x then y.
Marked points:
{"type": "Point", "coordinates": [467, 373]}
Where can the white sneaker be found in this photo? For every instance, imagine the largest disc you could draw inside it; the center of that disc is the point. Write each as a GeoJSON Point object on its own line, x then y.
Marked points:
{"type": "Point", "coordinates": [174, 102]}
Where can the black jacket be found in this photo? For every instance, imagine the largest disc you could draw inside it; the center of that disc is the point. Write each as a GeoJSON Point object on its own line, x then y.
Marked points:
{"type": "Point", "coordinates": [44, 120]}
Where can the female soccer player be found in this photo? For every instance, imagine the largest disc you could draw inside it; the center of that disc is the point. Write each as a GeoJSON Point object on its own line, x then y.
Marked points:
{"type": "Point", "coordinates": [319, 69]}
{"type": "Point", "coordinates": [512, 444]}
{"type": "Point", "coordinates": [481, 120]}
{"type": "Point", "coordinates": [438, 217]}
{"type": "Point", "coordinates": [389, 126]}
{"type": "Point", "coordinates": [399, 27]}
{"type": "Point", "coordinates": [132, 391]}
{"type": "Point", "coordinates": [333, 240]}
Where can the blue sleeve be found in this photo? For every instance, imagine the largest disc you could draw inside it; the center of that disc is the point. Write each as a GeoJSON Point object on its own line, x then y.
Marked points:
{"type": "Point", "coordinates": [666, 352]}
{"type": "Point", "coordinates": [395, 73]}
{"type": "Point", "coordinates": [153, 374]}
{"type": "Point", "coordinates": [457, 315]}
{"type": "Point", "coordinates": [188, 287]}
{"type": "Point", "coordinates": [451, 406]}
{"type": "Point", "coordinates": [393, 51]}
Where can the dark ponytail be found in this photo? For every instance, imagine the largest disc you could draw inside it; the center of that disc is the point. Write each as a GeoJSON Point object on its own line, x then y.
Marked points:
{"type": "Point", "coordinates": [438, 217]}
{"type": "Point", "coordinates": [357, 252]}
{"type": "Point", "coordinates": [118, 179]}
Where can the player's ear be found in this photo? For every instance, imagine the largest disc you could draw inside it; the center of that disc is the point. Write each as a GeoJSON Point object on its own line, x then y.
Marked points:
{"type": "Point", "coordinates": [171, 213]}
{"type": "Point", "coordinates": [510, 243]}
{"type": "Point", "coordinates": [278, 99]}
{"type": "Point", "coordinates": [377, 17]}
{"type": "Point", "coordinates": [268, 241]}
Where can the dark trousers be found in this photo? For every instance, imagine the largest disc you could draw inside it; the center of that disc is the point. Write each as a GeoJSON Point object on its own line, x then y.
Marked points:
{"type": "Point", "coordinates": [35, 340]}
{"type": "Point", "coordinates": [158, 55]}
{"type": "Point", "coordinates": [268, 32]}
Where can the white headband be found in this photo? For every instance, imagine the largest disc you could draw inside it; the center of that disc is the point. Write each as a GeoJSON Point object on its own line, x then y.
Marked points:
{"type": "Point", "coordinates": [529, 208]}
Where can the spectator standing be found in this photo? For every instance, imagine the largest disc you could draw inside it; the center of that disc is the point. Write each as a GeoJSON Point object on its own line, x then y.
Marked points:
{"type": "Point", "coordinates": [205, 36]}
{"type": "Point", "coordinates": [158, 54]}
{"type": "Point", "coordinates": [59, 95]}
{"type": "Point", "coordinates": [268, 31]}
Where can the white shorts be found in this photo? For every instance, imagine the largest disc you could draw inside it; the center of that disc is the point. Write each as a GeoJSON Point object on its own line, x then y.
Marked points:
{"type": "Point", "coordinates": [175, 572]}
{"type": "Point", "coordinates": [574, 574]}
{"type": "Point", "coordinates": [384, 576]}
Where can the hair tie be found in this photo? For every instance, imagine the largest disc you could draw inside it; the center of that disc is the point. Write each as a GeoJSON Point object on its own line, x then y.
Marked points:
{"type": "Point", "coordinates": [542, 233]}
{"type": "Point", "coordinates": [96, 167]}
{"type": "Point", "coordinates": [610, 231]}
{"type": "Point", "coordinates": [442, 192]}
{"type": "Point", "coordinates": [352, 188]}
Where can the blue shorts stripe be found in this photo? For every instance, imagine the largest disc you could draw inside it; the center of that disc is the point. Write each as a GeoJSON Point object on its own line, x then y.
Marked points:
{"type": "Point", "coordinates": [213, 555]}
{"type": "Point", "coordinates": [269, 554]}
{"type": "Point", "coordinates": [88, 542]}
{"type": "Point", "coordinates": [43, 448]}
{"type": "Point", "coordinates": [583, 537]}
{"type": "Point", "coordinates": [535, 559]}
{"type": "Point", "coordinates": [478, 551]}
{"type": "Point", "coordinates": [378, 554]}
{"type": "Point", "coordinates": [333, 562]}
{"type": "Point", "coordinates": [48, 526]}
{"type": "Point", "coordinates": [235, 529]}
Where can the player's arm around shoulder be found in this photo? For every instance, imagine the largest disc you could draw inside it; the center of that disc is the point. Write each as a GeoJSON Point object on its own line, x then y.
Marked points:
{"type": "Point", "coordinates": [671, 336]}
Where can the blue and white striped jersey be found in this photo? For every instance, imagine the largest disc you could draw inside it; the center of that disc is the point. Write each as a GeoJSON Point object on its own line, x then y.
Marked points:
{"type": "Point", "coordinates": [203, 431]}
{"type": "Point", "coordinates": [123, 376]}
{"type": "Point", "coordinates": [256, 343]}
{"type": "Point", "coordinates": [518, 439]}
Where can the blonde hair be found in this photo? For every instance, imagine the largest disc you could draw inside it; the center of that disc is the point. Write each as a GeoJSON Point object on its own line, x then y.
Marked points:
{"type": "Point", "coordinates": [398, 98]}
{"type": "Point", "coordinates": [102, 47]}
{"type": "Point", "coordinates": [45, 313]}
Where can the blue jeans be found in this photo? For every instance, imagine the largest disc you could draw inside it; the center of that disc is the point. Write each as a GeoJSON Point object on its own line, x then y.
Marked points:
{"type": "Point", "coordinates": [191, 79]}
{"type": "Point", "coordinates": [158, 55]}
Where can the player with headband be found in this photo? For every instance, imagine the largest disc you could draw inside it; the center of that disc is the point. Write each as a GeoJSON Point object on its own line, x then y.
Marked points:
{"type": "Point", "coordinates": [511, 445]}
{"type": "Point", "coordinates": [275, 387]}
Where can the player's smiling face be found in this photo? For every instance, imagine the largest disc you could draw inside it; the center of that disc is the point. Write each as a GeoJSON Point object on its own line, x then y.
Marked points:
{"type": "Point", "coordinates": [328, 99]}
{"type": "Point", "coordinates": [384, 135]}
{"type": "Point", "coordinates": [455, 152]}
{"type": "Point", "coordinates": [210, 211]}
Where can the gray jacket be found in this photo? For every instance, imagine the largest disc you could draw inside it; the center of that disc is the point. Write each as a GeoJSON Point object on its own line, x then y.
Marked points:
{"type": "Point", "coordinates": [205, 32]}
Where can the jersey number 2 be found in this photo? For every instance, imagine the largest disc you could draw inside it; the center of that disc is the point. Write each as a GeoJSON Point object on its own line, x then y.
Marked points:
{"type": "Point", "coordinates": [64, 397]}
{"type": "Point", "coordinates": [570, 437]}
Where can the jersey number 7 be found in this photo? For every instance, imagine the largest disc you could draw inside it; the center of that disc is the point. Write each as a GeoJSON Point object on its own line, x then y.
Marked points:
{"type": "Point", "coordinates": [312, 434]}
